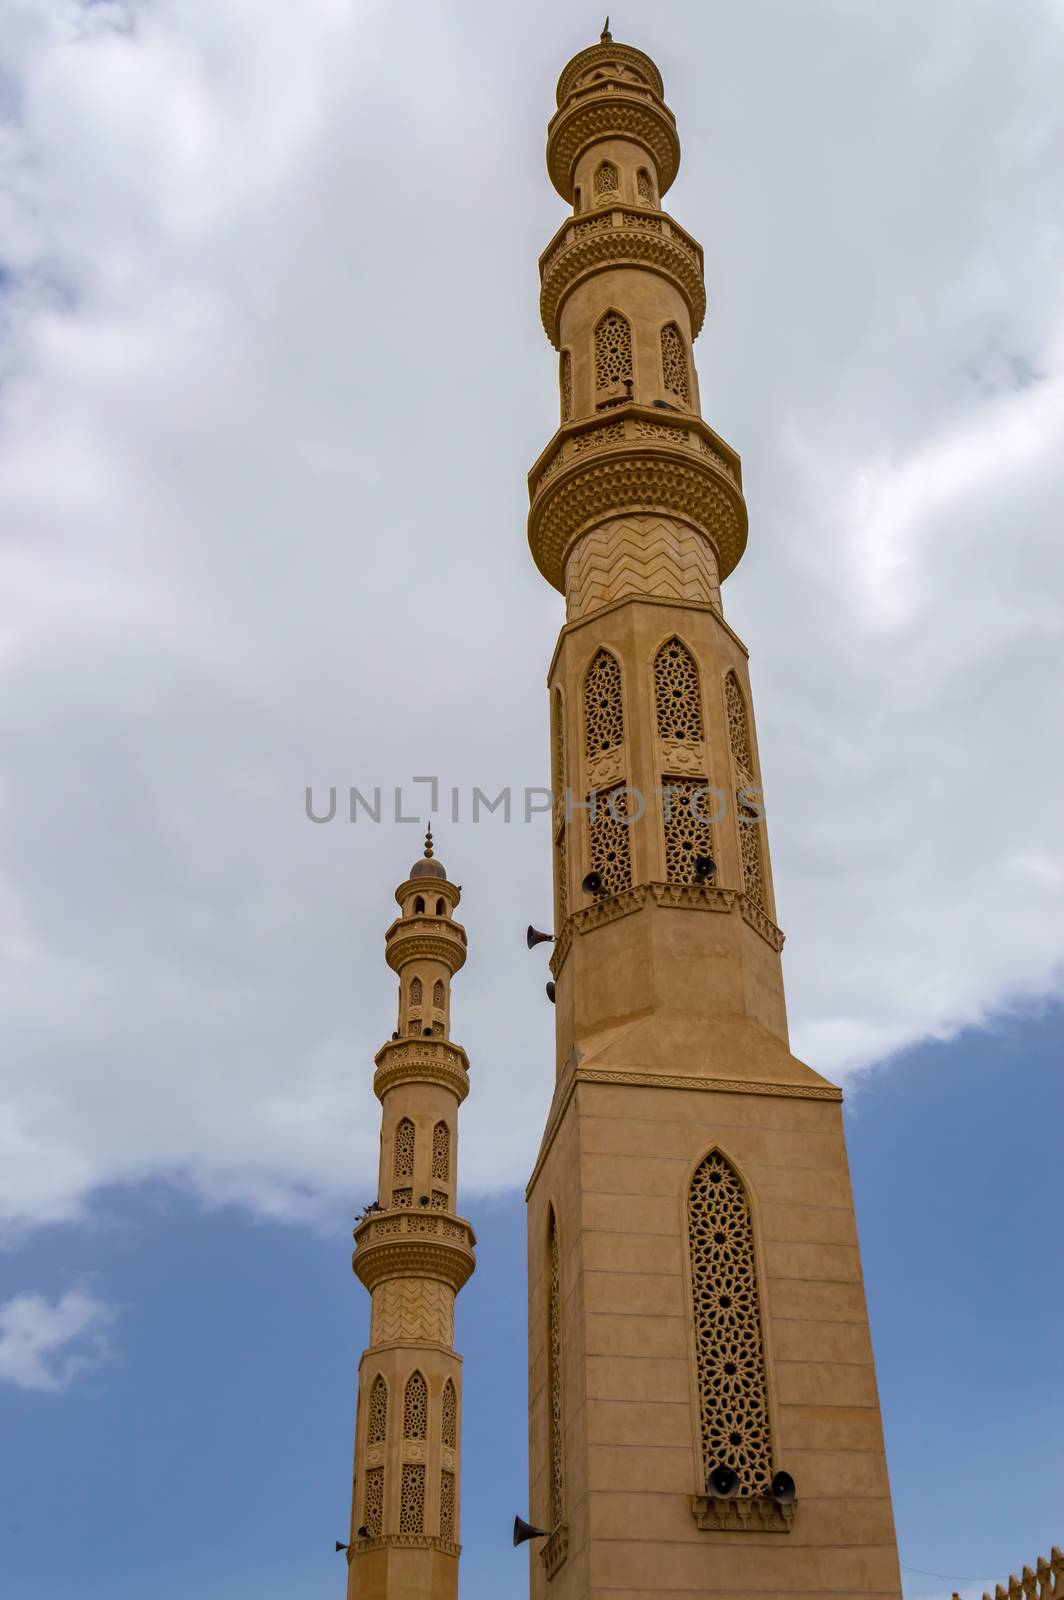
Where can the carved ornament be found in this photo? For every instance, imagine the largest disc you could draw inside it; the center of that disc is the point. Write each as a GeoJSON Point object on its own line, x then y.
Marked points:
{"type": "Point", "coordinates": [611, 113]}
{"type": "Point", "coordinates": [628, 243]}
{"type": "Point", "coordinates": [745, 1513]}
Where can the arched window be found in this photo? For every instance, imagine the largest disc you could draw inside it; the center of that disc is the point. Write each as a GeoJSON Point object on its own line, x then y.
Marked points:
{"type": "Point", "coordinates": [439, 994]}
{"type": "Point", "coordinates": [561, 885]}
{"type": "Point", "coordinates": [441, 908]}
{"type": "Point", "coordinates": [678, 693]}
{"type": "Point", "coordinates": [416, 1407]}
{"type": "Point", "coordinates": [674, 363]}
{"type": "Point", "coordinates": [733, 1401]}
{"type": "Point", "coordinates": [449, 1417]}
{"type": "Point", "coordinates": [576, 200]}
{"type": "Point", "coordinates": [567, 385]}
{"type": "Point", "coordinates": [748, 821]}
{"type": "Point", "coordinates": [603, 705]}
{"type": "Point", "coordinates": [441, 1152]}
{"type": "Point", "coordinates": [403, 1166]}
{"type": "Point", "coordinates": [606, 182]}
{"type": "Point", "coordinates": [377, 1431]}
{"type": "Point", "coordinates": [613, 350]}
{"type": "Point", "coordinates": [419, 906]}
{"type": "Point", "coordinates": [554, 1373]}
{"type": "Point", "coordinates": [643, 186]}
{"type": "Point", "coordinates": [415, 991]}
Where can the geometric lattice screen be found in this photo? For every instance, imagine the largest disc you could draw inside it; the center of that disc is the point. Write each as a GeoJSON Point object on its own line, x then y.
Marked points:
{"type": "Point", "coordinates": [733, 1402]}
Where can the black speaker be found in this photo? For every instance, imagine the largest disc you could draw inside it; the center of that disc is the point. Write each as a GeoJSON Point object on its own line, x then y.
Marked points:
{"type": "Point", "coordinates": [592, 884]}
{"type": "Point", "coordinates": [534, 937]}
{"type": "Point", "coordinates": [783, 1490]}
{"type": "Point", "coordinates": [340, 1547]}
{"type": "Point", "coordinates": [551, 991]}
{"type": "Point", "coordinates": [363, 1533]}
{"type": "Point", "coordinates": [723, 1483]}
{"type": "Point", "coordinates": [705, 867]}
{"type": "Point", "coordinates": [524, 1530]}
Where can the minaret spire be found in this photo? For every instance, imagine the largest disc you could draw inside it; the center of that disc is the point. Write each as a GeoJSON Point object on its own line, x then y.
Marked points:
{"type": "Point", "coordinates": [413, 1253]}
{"type": "Point", "coordinates": [698, 1342]}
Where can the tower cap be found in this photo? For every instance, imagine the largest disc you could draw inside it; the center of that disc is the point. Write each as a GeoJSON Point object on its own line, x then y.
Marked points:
{"type": "Point", "coordinates": [427, 866]}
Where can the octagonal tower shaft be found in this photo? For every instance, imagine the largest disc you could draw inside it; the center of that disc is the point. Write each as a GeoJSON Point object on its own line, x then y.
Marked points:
{"type": "Point", "coordinates": [695, 1293]}
{"type": "Point", "coordinates": [413, 1253]}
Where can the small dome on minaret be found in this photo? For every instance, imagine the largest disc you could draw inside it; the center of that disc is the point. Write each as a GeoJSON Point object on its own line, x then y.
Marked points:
{"type": "Point", "coordinates": [427, 866]}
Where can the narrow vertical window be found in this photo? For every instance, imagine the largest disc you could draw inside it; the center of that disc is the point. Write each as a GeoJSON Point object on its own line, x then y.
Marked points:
{"type": "Point", "coordinates": [688, 832]}
{"type": "Point", "coordinates": [412, 1498]}
{"type": "Point", "coordinates": [611, 855]}
{"type": "Point", "coordinates": [643, 186]}
{"type": "Point", "coordinates": [403, 1161]}
{"type": "Point", "coordinates": [606, 182]}
{"type": "Point", "coordinates": [415, 991]}
{"type": "Point", "coordinates": [377, 1429]}
{"type": "Point", "coordinates": [441, 1151]}
{"type": "Point", "coordinates": [561, 884]}
{"type": "Point", "coordinates": [446, 1505]}
{"type": "Point", "coordinates": [733, 1401]}
{"type": "Point", "coordinates": [567, 385]}
{"type": "Point", "coordinates": [674, 363]}
{"type": "Point", "coordinates": [603, 705]}
{"type": "Point", "coordinates": [439, 994]}
{"type": "Point", "coordinates": [449, 1417]}
{"type": "Point", "coordinates": [678, 693]}
{"type": "Point", "coordinates": [373, 1502]}
{"type": "Point", "coordinates": [747, 822]}
{"type": "Point", "coordinates": [554, 1374]}
{"type": "Point", "coordinates": [416, 1407]}
{"type": "Point", "coordinates": [613, 350]}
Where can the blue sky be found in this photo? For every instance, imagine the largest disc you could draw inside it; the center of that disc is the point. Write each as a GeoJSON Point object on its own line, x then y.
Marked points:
{"type": "Point", "coordinates": [209, 1456]}
{"type": "Point", "coordinates": [271, 377]}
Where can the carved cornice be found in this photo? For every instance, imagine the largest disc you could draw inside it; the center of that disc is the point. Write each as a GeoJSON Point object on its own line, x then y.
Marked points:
{"type": "Point", "coordinates": [761, 923]}
{"type": "Point", "coordinates": [421, 1061]}
{"type": "Point", "coordinates": [637, 476]}
{"type": "Point", "coordinates": [403, 1541]}
{"type": "Point", "coordinates": [603, 55]}
{"type": "Point", "coordinates": [634, 239]}
{"type": "Point", "coordinates": [745, 1513]}
{"type": "Point", "coordinates": [449, 1261]}
{"type": "Point", "coordinates": [612, 112]}
{"type": "Point", "coordinates": [425, 939]}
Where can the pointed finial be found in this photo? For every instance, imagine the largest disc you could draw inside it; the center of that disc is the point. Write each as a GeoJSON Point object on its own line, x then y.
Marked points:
{"type": "Point", "coordinates": [606, 36]}
{"type": "Point", "coordinates": [428, 845]}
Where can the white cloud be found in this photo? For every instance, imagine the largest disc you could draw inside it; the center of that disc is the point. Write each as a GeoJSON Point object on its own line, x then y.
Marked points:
{"type": "Point", "coordinates": [274, 376]}
{"type": "Point", "coordinates": [45, 1345]}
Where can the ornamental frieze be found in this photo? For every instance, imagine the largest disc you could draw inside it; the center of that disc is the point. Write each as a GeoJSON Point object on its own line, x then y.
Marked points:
{"type": "Point", "coordinates": [611, 113]}
{"type": "Point", "coordinates": [623, 239]}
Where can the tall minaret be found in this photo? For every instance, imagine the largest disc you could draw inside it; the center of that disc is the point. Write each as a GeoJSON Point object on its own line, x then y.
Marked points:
{"type": "Point", "coordinates": [699, 1342]}
{"type": "Point", "coordinates": [413, 1253]}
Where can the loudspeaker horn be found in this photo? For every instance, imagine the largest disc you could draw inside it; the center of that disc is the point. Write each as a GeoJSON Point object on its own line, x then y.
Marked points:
{"type": "Point", "coordinates": [534, 937]}
{"type": "Point", "coordinates": [705, 867]}
{"type": "Point", "coordinates": [524, 1530]}
{"type": "Point", "coordinates": [723, 1483]}
{"type": "Point", "coordinates": [592, 884]}
{"type": "Point", "coordinates": [551, 991]}
{"type": "Point", "coordinates": [783, 1489]}
{"type": "Point", "coordinates": [340, 1547]}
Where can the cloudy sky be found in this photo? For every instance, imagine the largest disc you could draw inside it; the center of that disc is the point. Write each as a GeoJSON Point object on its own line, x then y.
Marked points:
{"type": "Point", "coordinates": [272, 376]}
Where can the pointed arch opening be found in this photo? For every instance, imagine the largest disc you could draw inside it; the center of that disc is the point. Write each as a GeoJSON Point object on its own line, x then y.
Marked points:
{"type": "Point", "coordinates": [441, 1152]}
{"type": "Point", "coordinates": [403, 1149]}
{"type": "Point", "coordinates": [729, 1342]}
{"type": "Point", "coordinates": [678, 693]}
{"type": "Point", "coordinates": [449, 1417]}
{"type": "Point", "coordinates": [748, 820]}
{"type": "Point", "coordinates": [607, 180]}
{"type": "Point", "coordinates": [377, 1427]}
{"type": "Point", "coordinates": [644, 188]}
{"type": "Point", "coordinates": [603, 705]}
{"type": "Point", "coordinates": [674, 369]}
{"type": "Point", "coordinates": [416, 1406]}
{"type": "Point", "coordinates": [566, 382]}
{"type": "Point", "coordinates": [613, 351]}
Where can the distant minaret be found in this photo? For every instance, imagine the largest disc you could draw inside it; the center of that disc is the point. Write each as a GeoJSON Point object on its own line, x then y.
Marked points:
{"type": "Point", "coordinates": [413, 1253]}
{"type": "Point", "coordinates": [699, 1342]}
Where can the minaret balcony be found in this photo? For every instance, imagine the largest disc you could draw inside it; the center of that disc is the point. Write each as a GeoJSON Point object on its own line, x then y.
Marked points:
{"type": "Point", "coordinates": [425, 938]}
{"type": "Point", "coordinates": [611, 110]}
{"type": "Point", "coordinates": [638, 460]}
{"type": "Point", "coordinates": [414, 1243]}
{"type": "Point", "coordinates": [619, 236]}
{"type": "Point", "coordinates": [436, 1061]}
